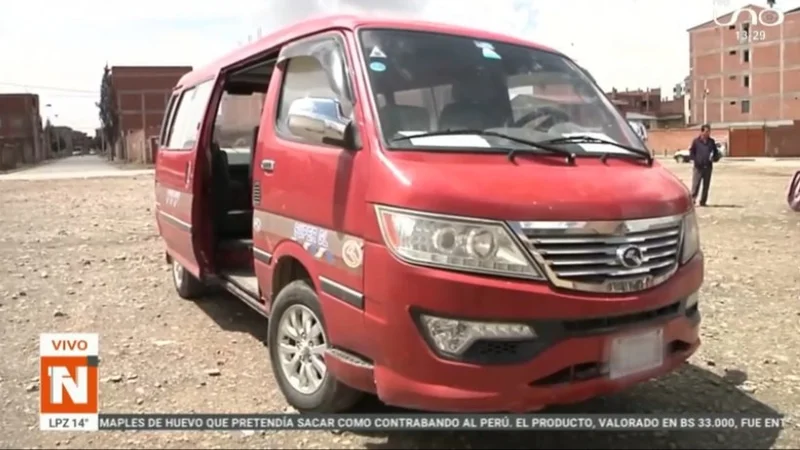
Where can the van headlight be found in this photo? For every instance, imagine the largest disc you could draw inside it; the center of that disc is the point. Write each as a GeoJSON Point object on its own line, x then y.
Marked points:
{"type": "Point", "coordinates": [453, 242]}
{"type": "Point", "coordinates": [691, 238]}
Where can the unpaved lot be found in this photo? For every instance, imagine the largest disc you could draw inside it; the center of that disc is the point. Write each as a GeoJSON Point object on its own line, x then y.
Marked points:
{"type": "Point", "coordinates": [83, 255]}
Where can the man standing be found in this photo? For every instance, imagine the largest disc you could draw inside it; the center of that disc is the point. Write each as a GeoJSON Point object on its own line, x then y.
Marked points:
{"type": "Point", "coordinates": [703, 153]}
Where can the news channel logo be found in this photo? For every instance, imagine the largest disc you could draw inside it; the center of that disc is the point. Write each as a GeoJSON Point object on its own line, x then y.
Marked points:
{"type": "Point", "coordinates": [756, 16]}
{"type": "Point", "coordinates": [68, 374]}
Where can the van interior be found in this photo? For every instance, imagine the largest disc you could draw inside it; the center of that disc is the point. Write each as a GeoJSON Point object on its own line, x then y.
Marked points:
{"type": "Point", "coordinates": [232, 153]}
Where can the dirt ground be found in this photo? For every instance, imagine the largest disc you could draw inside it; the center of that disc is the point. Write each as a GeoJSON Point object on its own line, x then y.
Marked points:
{"type": "Point", "coordinates": [83, 255]}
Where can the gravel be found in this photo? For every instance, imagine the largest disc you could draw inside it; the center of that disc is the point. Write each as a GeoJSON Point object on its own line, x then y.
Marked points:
{"type": "Point", "coordinates": [84, 255]}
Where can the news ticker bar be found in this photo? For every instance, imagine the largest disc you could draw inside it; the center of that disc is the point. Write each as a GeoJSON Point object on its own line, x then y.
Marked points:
{"type": "Point", "coordinates": [431, 422]}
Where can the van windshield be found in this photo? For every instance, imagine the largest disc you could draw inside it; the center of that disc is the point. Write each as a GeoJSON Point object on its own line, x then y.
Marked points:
{"type": "Point", "coordinates": [425, 82]}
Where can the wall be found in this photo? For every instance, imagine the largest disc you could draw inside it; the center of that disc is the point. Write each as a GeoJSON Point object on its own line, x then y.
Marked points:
{"type": "Point", "coordinates": [783, 141]}
{"type": "Point", "coordinates": [668, 141]}
{"type": "Point", "coordinates": [138, 145]}
{"type": "Point", "coordinates": [21, 128]}
{"type": "Point", "coordinates": [756, 141]}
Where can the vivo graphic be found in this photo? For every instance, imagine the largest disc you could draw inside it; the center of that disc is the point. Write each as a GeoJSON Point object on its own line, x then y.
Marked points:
{"type": "Point", "coordinates": [767, 17]}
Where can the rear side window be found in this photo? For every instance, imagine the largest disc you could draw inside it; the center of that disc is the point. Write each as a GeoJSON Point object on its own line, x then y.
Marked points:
{"type": "Point", "coordinates": [305, 77]}
{"type": "Point", "coordinates": [189, 116]}
{"type": "Point", "coordinates": [168, 115]}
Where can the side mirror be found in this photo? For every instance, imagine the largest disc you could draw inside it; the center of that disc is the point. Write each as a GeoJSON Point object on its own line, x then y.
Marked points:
{"type": "Point", "coordinates": [319, 120]}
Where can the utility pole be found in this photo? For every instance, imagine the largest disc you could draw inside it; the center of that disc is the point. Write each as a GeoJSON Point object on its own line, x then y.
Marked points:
{"type": "Point", "coordinates": [705, 102]}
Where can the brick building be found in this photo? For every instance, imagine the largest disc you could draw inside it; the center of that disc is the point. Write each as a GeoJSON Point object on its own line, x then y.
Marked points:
{"type": "Point", "coordinates": [649, 107]}
{"type": "Point", "coordinates": [647, 101]}
{"type": "Point", "coordinates": [21, 134]}
{"type": "Point", "coordinates": [142, 95]}
{"type": "Point", "coordinates": [749, 70]}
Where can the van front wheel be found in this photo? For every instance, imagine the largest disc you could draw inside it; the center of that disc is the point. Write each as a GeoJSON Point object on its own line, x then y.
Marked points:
{"type": "Point", "coordinates": [186, 284]}
{"type": "Point", "coordinates": [297, 341]}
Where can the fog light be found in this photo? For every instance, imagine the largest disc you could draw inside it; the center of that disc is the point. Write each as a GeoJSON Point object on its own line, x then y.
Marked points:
{"type": "Point", "coordinates": [454, 336]}
{"type": "Point", "coordinates": [692, 300]}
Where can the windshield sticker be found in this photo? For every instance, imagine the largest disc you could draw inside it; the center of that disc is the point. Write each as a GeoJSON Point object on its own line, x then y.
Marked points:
{"type": "Point", "coordinates": [597, 148]}
{"type": "Point", "coordinates": [490, 54]}
{"type": "Point", "coordinates": [488, 50]}
{"type": "Point", "coordinates": [377, 53]}
{"type": "Point", "coordinates": [377, 66]}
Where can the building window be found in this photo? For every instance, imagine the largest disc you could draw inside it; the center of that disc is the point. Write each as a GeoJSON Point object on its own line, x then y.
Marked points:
{"type": "Point", "coordinates": [733, 102]}
{"type": "Point", "coordinates": [16, 122]}
{"type": "Point", "coordinates": [732, 77]}
{"type": "Point", "coordinates": [746, 27]}
{"type": "Point", "coordinates": [746, 56]}
{"type": "Point", "coordinates": [745, 106]}
{"type": "Point", "coordinates": [732, 52]}
{"type": "Point", "coordinates": [746, 81]}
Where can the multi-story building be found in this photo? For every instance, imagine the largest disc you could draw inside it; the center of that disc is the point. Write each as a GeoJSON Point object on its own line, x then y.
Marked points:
{"type": "Point", "coordinates": [21, 135]}
{"type": "Point", "coordinates": [747, 69]}
{"type": "Point", "coordinates": [649, 107]}
{"type": "Point", "coordinates": [142, 94]}
{"type": "Point", "coordinates": [647, 101]}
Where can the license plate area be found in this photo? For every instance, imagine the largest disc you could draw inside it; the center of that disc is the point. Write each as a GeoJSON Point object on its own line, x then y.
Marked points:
{"type": "Point", "coordinates": [635, 353]}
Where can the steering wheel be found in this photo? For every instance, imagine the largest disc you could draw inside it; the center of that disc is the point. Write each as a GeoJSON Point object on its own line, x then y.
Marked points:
{"type": "Point", "coordinates": [545, 115]}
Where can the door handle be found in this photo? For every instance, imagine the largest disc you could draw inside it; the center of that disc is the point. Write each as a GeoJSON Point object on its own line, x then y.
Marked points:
{"type": "Point", "coordinates": [188, 173]}
{"type": "Point", "coordinates": [267, 165]}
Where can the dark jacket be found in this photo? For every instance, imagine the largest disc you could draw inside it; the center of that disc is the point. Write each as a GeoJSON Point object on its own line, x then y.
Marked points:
{"type": "Point", "coordinates": [704, 154]}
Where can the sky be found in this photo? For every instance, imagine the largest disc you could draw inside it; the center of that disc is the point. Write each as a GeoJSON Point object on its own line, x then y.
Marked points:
{"type": "Point", "coordinates": [58, 48]}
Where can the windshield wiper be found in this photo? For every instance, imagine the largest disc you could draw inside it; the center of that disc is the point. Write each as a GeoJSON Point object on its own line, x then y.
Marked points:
{"type": "Point", "coordinates": [537, 145]}
{"type": "Point", "coordinates": [580, 139]}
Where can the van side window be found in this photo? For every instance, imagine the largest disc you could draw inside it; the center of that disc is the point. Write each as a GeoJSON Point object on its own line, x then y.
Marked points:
{"type": "Point", "coordinates": [305, 77]}
{"type": "Point", "coordinates": [189, 116]}
{"type": "Point", "coordinates": [167, 120]}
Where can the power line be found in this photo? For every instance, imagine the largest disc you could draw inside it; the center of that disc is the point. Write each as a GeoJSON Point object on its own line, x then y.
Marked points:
{"type": "Point", "coordinates": [49, 88]}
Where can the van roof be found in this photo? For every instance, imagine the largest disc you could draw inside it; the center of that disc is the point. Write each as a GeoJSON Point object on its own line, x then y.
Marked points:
{"type": "Point", "coordinates": [348, 22]}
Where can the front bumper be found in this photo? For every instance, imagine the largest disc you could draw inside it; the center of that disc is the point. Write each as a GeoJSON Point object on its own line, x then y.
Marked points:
{"type": "Point", "coordinates": [566, 362]}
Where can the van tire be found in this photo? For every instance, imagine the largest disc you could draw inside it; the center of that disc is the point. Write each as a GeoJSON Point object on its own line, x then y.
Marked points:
{"type": "Point", "coordinates": [186, 284]}
{"type": "Point", "coordinates": [332, 396]}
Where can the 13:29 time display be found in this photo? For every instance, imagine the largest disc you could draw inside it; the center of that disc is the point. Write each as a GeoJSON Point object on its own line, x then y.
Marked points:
{"type": "Point", "coordinates": [751, 36]}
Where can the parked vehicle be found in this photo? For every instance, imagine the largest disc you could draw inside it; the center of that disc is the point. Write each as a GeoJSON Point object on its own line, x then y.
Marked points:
{"type": "Point", "coordinates": [408, 235]}
{"type": "Point", "coordinates": [793, 193]}
{"type": "Point", "coordinates": [683, 156]}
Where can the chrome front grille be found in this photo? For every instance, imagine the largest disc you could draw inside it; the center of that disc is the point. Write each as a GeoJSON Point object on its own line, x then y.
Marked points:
{"type": "Point", "coordinates": [605, 256]}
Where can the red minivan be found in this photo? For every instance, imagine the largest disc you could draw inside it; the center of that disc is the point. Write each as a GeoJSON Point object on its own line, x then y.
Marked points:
{"type": "Point", "coordinates": [450, 219]}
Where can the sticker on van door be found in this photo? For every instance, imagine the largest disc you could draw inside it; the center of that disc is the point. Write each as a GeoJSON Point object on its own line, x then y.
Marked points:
{"type": "Point", "coordinates": [172, 198]}
{"type": "Point", "coordinates": [352, 253]}
{"type": "Point", "coordinates": [313, 239]}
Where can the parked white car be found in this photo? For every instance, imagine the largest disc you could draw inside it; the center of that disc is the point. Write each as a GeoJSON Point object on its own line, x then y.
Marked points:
{"type": "Point", "coordinates": [682, 156]}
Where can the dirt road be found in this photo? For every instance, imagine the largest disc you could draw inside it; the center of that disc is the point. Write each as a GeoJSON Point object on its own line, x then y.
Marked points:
{"type": "Point", "coordinates": [83, 255]}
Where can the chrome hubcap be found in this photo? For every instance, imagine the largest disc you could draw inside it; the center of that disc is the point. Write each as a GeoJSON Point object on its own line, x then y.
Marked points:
{"type": "Point", "coordinates": [301, 349]}
{"type": "Point", "coordinates": [177, 273]}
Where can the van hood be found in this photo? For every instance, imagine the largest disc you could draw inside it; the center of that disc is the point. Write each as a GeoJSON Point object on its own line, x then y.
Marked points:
{"type": "Point", "coordinates": [531, 188]}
